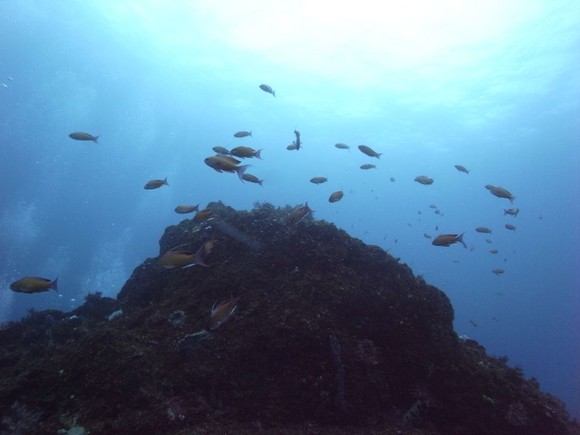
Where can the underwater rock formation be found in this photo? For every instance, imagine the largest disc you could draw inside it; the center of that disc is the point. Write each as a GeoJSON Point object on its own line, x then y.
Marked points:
{"type": "Point", "coordinates": [329, 336]}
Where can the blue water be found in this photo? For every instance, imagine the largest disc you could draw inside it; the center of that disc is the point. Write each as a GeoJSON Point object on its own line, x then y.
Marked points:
{"type": "Point", "coordinates": [493, 86]}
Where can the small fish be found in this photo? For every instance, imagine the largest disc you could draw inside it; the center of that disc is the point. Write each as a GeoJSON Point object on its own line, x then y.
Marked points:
{"type": "Point", "coordinates": [427, 236]}
{"type": "Point", "coordinates": [462, 168]}
{"type": "Point", "coordinates": [335, 196]}
{"type": "Point", "coordinates": [342, 146]}
{"type": "Point", "coordinates": [510, 227]}
{"type": "Point", "coordinates": [511, 211]}
{"type": "Point", "coordinates": [291, 147]}
{"type": "Point", "coordinates": [433, 206]}
{"type": "Point", "coordinates": [484, 230]}
{"type": "Point", "coordinates": [268, 89]}
{"type": "Point", "coordinates": [184, 209]}
{"type": "Point", "coordinates": [368, 166]}
{"type": "Point", "coordinates": [252, 179]}
{"type": "Point", "coordinates": [221, 313]}
{"type": "Point", "coordinates": [488, 241]}
{"type": "Point", "coordinates": [156, 184]}
{"type": "Point", "coordinates": [243, 133]}
{"type": "Point", "coordinates": [500, 192]}
{"type": "Point", "coordinates": [203, 215]}
{"type": "Point", "coordinates": [297, 142]}
{"type": "Point", "coordinates": [422, 179]}
{"type": "Point", "coordinates": [221, 163]}
{"type": "Point", "coordinates": [369, 151]}
{"type": "Point", "coordinates": [493, 251]}
{"type": "Point", "coordinates": [34, 284]}
{"type": "Point", "coordinates": [221, 150]}
{"type": "Point", "coordinates": [498, 271]}
{"type": "Point", "coordinates": [298, 214]}
{"type": "Point", "coordinates": [437, 211]}
{"type": "Point", "coordinates": [392, 179]}
{"type": "Point", "coordinates": [318, 180]}
{"type": "Point", "coordinates": [473, 323]}
{"type": "Point", "coordinates": [246, 152]}
{"type": "Point", "coordinates": [182, 259]}
{"type": "Point", "coordinates": [80, 135]}
{"type": "Point", "coordinates": [448, 240]}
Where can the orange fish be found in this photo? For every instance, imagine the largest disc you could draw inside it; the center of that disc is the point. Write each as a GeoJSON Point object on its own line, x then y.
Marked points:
{"type": "Point", "coordinates": [34, 284]}
{"type": "Point", "coordinates": [182, 259]}
{"type": "Point", "coordinates": [298, 213]}
{"type": "Point", "coordinates": [221, 313]}
{"type": "Point", "coordinates": [448, 240]}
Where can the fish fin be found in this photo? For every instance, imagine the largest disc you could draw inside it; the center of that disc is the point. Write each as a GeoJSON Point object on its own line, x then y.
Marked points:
{"type": "Point", "coordinates": [54, 284]}
{"type": "Point", "coordinates": [250, 133]}
{"type": "Point", "coordinates": [240, 171]}
{"type": "Point", "coordinates": [257, 154]}
{"type": "Point", "coordinates": [460, 240]}
{"type": "Point", "coordinates": [165, 181]}
{"type": "Point", "coordinates": [274, 93]}
{"type": "Point", "coordinates": [199, 257]}
{"type": "Point", "coordinates": [260, 182]}
{"type": "Point", "coordinates": [95, 139]}
{"type": "Point", "coordinates": [512, 199]}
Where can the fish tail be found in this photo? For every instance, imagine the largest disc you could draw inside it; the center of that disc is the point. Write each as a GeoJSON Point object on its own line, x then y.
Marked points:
{"type": "Point", "coordinates": [250, 134]}
{"type": "Point", "coordinates": [240, 171]}
{"type": "Point", "coordinates": [460, 240]}
{"type": "Point", "coordinates": [512, 199]}
{"type": "Point", "coordinates": [198, 258]}
{"type": "Point", "coordinates": [257, 154]}
{"type": "Point", "coordinates": [274, 93]}
{"type": "Point", "coordinates": [260, 182]}
{"type": "Point", "coordinates": [165, 181]}
{"type": "Point", "coordinates": [95, 139]}
{"type": "Point", "coordinates": [54, 284]}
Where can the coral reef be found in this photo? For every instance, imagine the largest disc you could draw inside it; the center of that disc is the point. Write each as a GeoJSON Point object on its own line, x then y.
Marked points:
{"type": "Point", "coordinates": [330, 336]}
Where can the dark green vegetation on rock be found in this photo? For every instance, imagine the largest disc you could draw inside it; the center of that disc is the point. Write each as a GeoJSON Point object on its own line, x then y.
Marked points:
{"type": "Point", "coordinates": [330, 336]}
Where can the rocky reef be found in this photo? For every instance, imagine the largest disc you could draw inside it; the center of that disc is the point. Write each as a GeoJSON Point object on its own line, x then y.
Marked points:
{"type": "Point", "coordinates": [329, 336]}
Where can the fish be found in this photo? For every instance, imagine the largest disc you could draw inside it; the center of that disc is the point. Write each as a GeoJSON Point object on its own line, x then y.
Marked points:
{"type": "Point", "coordinates": [225, 164]}
{"type": "Point", "coordinates": [462, 168]}
{"type": "Point", "coordinates": [448, 240]}
{"type": "Point", "coordinates": [500, 192]}
{"type": "Point", "coordinates": [221, 313]}
{"type": "Point", "coordinates": [221, 150]}
{"type": "Point", "coordinates": [81, 135]}
{"type": "Point", "coordinates": [246, 152]}
{"type": "Point", "coordinates": [156, 184]}
{"type": "Point", "coordinates": [422, 179]}
{"type": "Point", "coordinates": [184, 209]}
{"type": "Point", "coordinates": [427, 236]}
{"type": "Point", "coordinates": [268, 89]}
{"type": "Point", "coordinates": [252, 179]}
{"type": "Point", "coordinates": [342, 146]}
{"type": "Point", "coordinates": [318, 180]}
{"type": "Point", "coordinates": [369, 151]}
{"type": "Point", "coordinates": [473, 323]}
{"type": "Point", "coordinates": [483, 230]}
{"type": "Point", "coordinates": [433, 206]}
{"type": "Point", "coordinates": [335, 196]}
{"type": "Point", "coordinates": [493, 251]}
{"type": "Point", "coordinates": [243, 133]}
{"type": "Point", "coordinates": [498, 271]}
{"type": "Point", "coordinates": [368, 166]}
{"type": "Point", "coordinates": [488, 241]}
{"type": "Point", "coordinates": [298, 213]}
{"type": "Point", "coordinates": [208, 247]}
{"type": "Point", "coordinates": [181, 259]}
{"type": "Point", "coordinates": [297, 142]}
{"type": "Point", "coordinates": [392, 179]}
{"type": "Point", "coordinates": [511, 211]}
{"type": "Point", "coordinates": [203, 215]}
{"type": "Point", "coordinates": [34, 284]}
{"type": "Point", "coordinates": [510, 227]}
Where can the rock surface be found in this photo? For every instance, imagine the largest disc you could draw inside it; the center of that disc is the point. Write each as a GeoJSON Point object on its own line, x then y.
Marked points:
{"type": "Point", "coordinates": [329, 336]}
